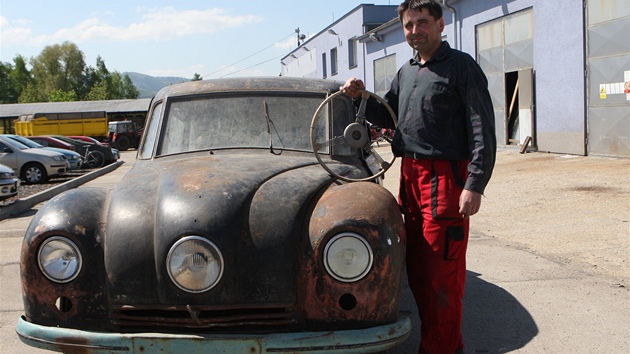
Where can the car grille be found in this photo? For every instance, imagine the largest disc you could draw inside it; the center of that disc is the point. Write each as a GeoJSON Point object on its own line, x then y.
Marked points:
{"type": "Point", "coordinates": [272, 318]}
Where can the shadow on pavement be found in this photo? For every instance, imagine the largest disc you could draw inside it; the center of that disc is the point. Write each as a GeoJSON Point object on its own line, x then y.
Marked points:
{"type": "Point", "coordinates": [494, 320]}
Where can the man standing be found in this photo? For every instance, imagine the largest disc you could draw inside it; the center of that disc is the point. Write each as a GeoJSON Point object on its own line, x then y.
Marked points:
{"type": "Point", "coordinates": [447, 141]}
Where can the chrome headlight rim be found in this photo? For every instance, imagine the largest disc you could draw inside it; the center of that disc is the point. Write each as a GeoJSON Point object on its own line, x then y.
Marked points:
{"type": "Point", "coordinates": [216, 255]}
{"type": "Point", "coordinates": [73, 246]}
{"type": "Point", "coordinates": [328, 253]}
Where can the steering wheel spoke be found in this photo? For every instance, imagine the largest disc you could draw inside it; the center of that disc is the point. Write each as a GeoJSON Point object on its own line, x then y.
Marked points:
{"type": "Point", "coordinates": [356, 135]}
{"type": "Point", "coordinates": [336, 141]}
{"type": "Point", "coordinates": [375, 162]}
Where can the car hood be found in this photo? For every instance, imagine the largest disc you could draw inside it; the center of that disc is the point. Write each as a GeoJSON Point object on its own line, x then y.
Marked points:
{"type": "Point", "coordinates": [40, 152]}
{"type": "Point", "coordinates": [69, 154]}
{"type": "Point", "coordinates": [250, 205]}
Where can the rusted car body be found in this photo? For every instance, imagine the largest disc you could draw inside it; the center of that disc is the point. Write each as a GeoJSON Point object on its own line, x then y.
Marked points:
{"type": "Point", "coordinates": [226, 236]}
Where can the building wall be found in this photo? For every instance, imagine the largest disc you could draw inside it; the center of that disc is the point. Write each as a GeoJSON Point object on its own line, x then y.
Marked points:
{"type": "Point", "coordinates": [558, 64]}
{"type": "Point", "coordinates": [306, 60]}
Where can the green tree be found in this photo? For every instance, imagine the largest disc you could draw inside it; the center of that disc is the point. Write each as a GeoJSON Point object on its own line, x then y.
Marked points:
{"type": "Point", "coordinates": [7, 91]}
{"type": "Point", "coordinates": [32, 94]}
{"type": "Point", "coordinates": [98, 92]}
{"type": "Point", "coordinates": [61, 96]}
{"type": "Point", "coordinates": [20, 77]}
{"type": "Point", "coordinates": [108, 85]}
{"type": "Point", "coordinates": [196, 77]}
{"type": "Point", "coordinates": [59, 73]}
{"type": "Point", "coordinates": [59, 67]}
{"type": "Point", "coordinates": [128, 89]}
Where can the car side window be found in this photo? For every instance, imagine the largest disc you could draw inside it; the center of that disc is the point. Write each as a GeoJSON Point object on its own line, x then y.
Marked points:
{"type": "Point", "coordinates": [149, 136]}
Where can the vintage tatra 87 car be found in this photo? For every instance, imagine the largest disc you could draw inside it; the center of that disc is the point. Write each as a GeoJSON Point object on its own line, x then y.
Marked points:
{"type": "Point", "coordinates": [227, 235]}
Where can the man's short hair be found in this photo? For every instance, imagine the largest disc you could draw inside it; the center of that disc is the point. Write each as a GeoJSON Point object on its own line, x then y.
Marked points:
{"type": "Point", "coordinates": [435, 9]}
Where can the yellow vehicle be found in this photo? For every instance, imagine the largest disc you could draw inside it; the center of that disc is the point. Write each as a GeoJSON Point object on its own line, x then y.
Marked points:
{"type": "Point", "coordinates": [92, 124]}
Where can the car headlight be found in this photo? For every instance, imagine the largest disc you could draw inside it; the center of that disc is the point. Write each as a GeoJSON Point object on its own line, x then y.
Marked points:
{"type": "Point", "coordinates": [348, 257]}
{"type": "Point", "coordinates": [194, 264]}
{"type": "Point", "coordinates": [7, 175]}
{"type": "Point", "coordinates": [59, 158]}
{"type": "Point", "coordinates": [59, 259]}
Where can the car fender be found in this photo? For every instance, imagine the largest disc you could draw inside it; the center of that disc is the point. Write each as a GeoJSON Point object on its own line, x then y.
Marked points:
{"type": "Point", "coordinates": [77, 215]}
{"type": "Point", "coordinates": [371, 211]}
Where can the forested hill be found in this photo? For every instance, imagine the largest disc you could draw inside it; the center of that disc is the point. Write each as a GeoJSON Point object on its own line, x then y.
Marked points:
{"type": "Point", "coordinates": [148, 85]}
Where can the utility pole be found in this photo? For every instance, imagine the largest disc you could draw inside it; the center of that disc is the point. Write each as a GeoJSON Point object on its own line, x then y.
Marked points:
{"type": "Point", "coordinates": [299, 36]}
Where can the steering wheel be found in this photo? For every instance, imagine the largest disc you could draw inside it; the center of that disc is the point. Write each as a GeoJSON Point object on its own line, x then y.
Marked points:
{"type": "Point", "coordinates": [357, 136]}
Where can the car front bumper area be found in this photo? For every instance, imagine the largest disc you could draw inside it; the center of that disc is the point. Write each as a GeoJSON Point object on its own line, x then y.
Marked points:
{"type": "Point", "coordinates": [368, 340]}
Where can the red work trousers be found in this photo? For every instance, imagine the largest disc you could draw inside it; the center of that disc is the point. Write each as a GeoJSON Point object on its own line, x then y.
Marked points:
{"type": "Point", "coordinates": [437, 237]}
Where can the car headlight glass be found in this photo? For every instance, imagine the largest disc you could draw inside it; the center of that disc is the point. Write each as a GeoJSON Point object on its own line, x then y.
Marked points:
{"type": "Point", "coordinates": [194, 264]}
{"type": "Point", "coordinates": [7, 175]}
{"type": "Point", "coordinates": [348, 257]}
{"type": "Point", "coordinates": [59, 259]}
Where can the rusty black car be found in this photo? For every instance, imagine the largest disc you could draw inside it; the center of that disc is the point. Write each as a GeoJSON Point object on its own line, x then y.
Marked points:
{"type": "Point", "coordinates": [252, 221]}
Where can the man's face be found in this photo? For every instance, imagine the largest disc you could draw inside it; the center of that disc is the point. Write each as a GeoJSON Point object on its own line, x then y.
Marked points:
{"type": "Point", "coordinates": [423, 32]}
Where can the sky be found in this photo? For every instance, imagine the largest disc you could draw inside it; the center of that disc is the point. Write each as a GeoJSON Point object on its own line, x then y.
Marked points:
{"type": "Point", "coordinates": [170, 38]}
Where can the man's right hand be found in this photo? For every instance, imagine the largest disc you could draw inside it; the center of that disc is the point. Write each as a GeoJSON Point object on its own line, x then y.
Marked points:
{"type": "Point", "coordinates": [353, 87]}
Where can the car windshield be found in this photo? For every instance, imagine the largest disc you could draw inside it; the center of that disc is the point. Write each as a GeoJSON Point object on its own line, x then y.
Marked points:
{"type": "Point", "coordinates": [16, 144]}
{"type": "Point", "coordinates": [259, 120]}
{"type": "Point", "coordinates": [25, 141]}
{"type": "Point", "coordinates": [64, 139]}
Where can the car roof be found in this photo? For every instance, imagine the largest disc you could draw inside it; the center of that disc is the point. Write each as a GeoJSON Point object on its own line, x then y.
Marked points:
{"type": "Point", "coordinates": [50, 138]}
{"type": "Point", "coordinates": [245, 84]}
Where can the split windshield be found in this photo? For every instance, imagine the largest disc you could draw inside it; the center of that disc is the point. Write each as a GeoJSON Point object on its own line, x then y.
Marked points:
{"type": "Point", "coordinates": [280, 121]}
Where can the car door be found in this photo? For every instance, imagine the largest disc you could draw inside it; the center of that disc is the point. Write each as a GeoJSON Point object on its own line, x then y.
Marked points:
{"type": "Point", "coordinates": [8, 156]}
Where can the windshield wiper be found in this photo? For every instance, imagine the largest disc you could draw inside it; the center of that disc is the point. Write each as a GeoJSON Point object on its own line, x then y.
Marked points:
{"type": "Point", "coordinates": [269, 128]}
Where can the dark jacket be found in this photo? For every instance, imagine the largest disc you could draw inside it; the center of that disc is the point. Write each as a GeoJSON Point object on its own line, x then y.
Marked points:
{"type": "Point", "coordinates": [444, 112]}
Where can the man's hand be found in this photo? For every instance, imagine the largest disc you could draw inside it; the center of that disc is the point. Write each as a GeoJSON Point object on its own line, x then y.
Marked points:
{"type": "Point", "coordinates": [353, 87]}
{"type": "Point", "coordinates": [469, 203]}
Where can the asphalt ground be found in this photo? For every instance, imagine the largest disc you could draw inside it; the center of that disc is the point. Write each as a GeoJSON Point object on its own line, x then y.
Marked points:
{"type": "Point", "coordinates": [547, 260]}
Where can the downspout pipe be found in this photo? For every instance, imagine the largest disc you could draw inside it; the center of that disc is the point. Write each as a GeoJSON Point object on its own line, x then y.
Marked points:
{"type": "Point", "coordinates": [454, 20]}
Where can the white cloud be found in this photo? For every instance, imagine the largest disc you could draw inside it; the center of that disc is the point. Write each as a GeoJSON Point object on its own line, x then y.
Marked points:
{"type": "Point", "coordinates": [155, 25]}
{"type": "Point", "coordinates": [287, 44]}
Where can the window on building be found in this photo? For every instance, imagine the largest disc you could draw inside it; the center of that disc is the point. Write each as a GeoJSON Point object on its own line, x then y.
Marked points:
{"type": "Point", "coordinates": [324, 65]}
{"type": "Point", "coordinates": [333, 61]}
{"type": "Point", "coordinates": [384, 72]}
{"type": "Point", "coordinates": [519, 27]}
{"type": "Point", "coordinates": [352, 53]}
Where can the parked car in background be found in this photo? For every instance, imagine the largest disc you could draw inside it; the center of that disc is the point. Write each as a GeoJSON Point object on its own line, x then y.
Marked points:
{"type": "Point", "coordinates": [9, 182]}
{"type": "Point", "coordinates": [88, 139]}
{"type": "Point", "coordinates": [227, 234]}
{"type": "Point", "coordinates": [81, 147]}
{"type": "Point", "coordinates": [74, 159]}
{"type": "Point", "coordinates": [48, 141]}
{"type": "Point", "coordinates": [116, 153]}
{"type": "Point", "coordinates": [32, 165]}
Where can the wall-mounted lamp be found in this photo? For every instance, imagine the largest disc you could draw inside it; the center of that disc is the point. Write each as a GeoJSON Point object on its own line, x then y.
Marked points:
{"type": "Point", "coordinates": [332, 31]}
{"type": "Point", "coordinates": [375, 37]}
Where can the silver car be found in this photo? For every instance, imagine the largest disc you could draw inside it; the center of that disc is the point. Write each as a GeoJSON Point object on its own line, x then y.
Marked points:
{"type": "Point", "coordinates": [9, 182]}
{"type": "Point", "coordinates": [32, 165]}
{"type": "Point", "coordinates": [74, 159]}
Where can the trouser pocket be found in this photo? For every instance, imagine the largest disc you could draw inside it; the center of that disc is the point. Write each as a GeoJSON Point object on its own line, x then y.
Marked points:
{"type": "Point", "coordinates": [453, 242]}
{"type": "Point", "coordinates": [446, 187]}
